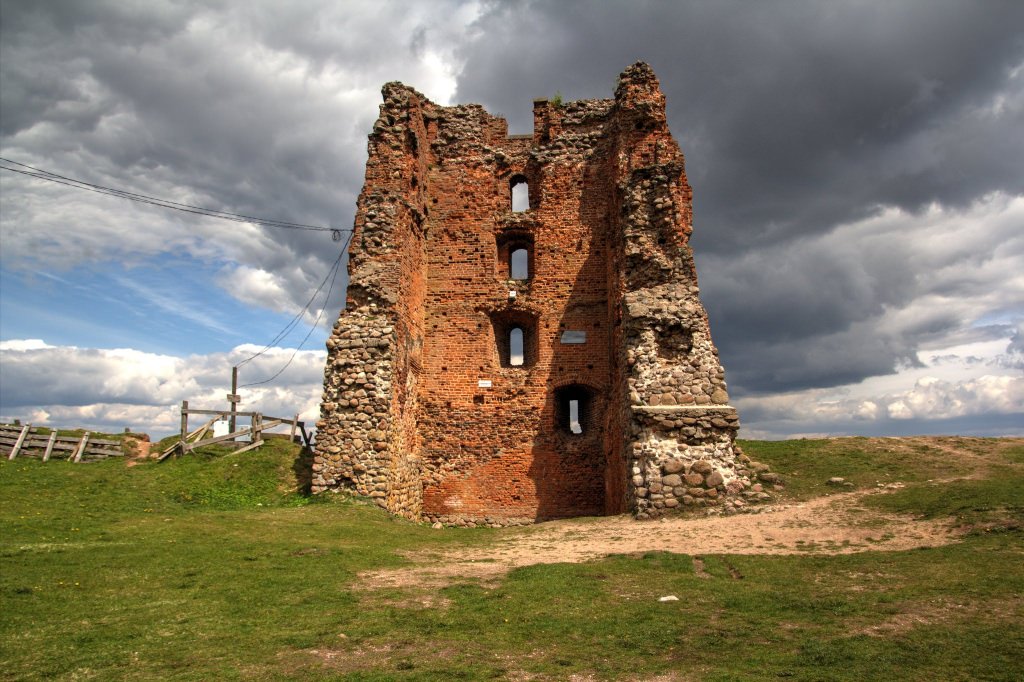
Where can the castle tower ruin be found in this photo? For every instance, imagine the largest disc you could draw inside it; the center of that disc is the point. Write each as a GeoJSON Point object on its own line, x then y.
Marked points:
{"type": "Point", "coordinates": [523, 338]}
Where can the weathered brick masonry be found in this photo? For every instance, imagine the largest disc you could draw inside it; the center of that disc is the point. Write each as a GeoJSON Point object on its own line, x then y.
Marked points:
{"type": "Point", "coordinates": [616, 400]}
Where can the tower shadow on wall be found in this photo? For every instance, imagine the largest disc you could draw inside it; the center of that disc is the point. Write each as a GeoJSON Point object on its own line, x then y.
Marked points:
{"type": "Point", "coordinates": [570, 469]}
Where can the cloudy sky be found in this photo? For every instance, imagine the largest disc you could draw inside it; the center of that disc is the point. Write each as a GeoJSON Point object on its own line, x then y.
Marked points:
{"type": "Point", "coordinates": [859, 192]}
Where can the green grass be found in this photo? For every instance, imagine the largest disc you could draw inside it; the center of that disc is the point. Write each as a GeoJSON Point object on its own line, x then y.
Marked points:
{"type": "Point", "coordinates": [217, 567]}
{"type": "Point", "coordinates": [987, 503]}
{"type": "Point", "coordinates": [807, 464]}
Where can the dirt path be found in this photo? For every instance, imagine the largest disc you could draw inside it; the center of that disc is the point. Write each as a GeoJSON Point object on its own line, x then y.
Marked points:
{"type": "Point", "coordinates": [836, 524]}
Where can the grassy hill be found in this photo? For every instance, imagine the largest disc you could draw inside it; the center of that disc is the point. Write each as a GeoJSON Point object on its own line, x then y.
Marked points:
{"type": "Point", "coordinates": [217, 566]}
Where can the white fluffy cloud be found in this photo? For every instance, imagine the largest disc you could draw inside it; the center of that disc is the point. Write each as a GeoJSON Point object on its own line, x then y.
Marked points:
{"type": "Point", "coordinates": [972, 379]}
{"type": "Point", "coordinates": [859, 299]}
{"type": "Point", "coordinates": [933, 398]}
{"type": "Point", "coordinates": [858, 202]}
{"type": "Point", "coordinates": [258, 108]}
{"type": "Point", "coordinates": [109, 389]}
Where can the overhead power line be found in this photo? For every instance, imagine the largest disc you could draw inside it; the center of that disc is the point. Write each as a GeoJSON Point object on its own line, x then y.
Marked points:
{"type": "Point", "coordinates": [332, 275]}
{"type": "Point", "coordinates": [298, 316]}
{"type": "Point", "coordinates": [40, 174]}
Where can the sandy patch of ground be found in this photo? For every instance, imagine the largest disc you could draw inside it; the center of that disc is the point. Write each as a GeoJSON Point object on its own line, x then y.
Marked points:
{"type": "Point", "coordinates": [142, 451]}
{"type": "Point", "coordinates": [836, 524]}
{"type": "Point", "coordinates": [941, 611]}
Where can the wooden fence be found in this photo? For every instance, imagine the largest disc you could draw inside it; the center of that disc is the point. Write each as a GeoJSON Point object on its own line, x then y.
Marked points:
{"type": "Point", "coordinates": [260, 424]}
{"type": "Point", "coordinates": [26, 441]}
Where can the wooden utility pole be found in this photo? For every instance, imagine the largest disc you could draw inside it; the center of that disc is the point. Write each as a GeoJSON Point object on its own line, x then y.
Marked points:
{"type": "Point", "coordinates": [183, 441]}
{"type": "Point", "coordinates": [234, 399]}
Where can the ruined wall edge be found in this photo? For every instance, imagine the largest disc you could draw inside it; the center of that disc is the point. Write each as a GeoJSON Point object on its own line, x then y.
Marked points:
{"type": "Point", "coordinates": [366, 437]}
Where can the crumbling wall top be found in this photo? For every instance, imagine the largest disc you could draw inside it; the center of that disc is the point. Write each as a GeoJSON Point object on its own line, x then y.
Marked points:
{"type": "Point", "coordinates": [525, 338]}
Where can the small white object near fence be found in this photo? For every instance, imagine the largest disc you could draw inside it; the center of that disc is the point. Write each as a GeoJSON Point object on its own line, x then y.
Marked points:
{"type": "Point", "coordinates": [190, 440]}
{"type": "Point", "coordinates": [221, 427]}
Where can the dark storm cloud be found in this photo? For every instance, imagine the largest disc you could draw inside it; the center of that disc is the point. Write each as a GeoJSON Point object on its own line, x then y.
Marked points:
{"type": "Point", "coordinates": [1014, 356]}
{"type": "Point", "coordinates": [797, 118]}
{"type": "Point", "coordinates": [860, 300]}
{"type": "Point", "coordinates": [259, 109]}
{"type": "Point", "coordinates": [793, 116]}
{"type": "Point", "coordinates": [144, 97]}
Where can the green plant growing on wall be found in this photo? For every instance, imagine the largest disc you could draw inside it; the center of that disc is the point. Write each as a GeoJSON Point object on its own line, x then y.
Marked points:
{"type": "Point", "coordinates": [557, 99]}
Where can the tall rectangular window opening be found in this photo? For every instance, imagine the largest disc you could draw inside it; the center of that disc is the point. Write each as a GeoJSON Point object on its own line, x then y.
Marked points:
{"type": "Point", "coordinates": [520, 194]}
{"type": "Point", "coordinates": [515, 347]}
{"type": "Point", "coordinates": [515, 335]}
{"type": "Point", "coordinates": [519, 264]}
{"type": "Point", "coordinates": [574, 417]}
{"type": "Point", "coordinates": [515, 255]}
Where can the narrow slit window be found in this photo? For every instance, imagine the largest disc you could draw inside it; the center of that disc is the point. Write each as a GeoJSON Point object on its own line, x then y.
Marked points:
{"type": "Point", "coordinates": [519, 264]}
{"type": "Point", "coordinates": [520, 195]}
{"type": "Point", "coordinates": [574, 407]}
{"type": "Point", "coordinates": [515, 347]}
{"type": "Point", "coordinates": [574, 417]}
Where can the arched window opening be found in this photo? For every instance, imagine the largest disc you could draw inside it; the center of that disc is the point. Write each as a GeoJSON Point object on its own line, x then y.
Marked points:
{"type": "Point", "coordinates": [515, 256]}
{"type": "Point", "coordinates": [519, 264]}
{"type": "Point", "coordinates": [515, 335]}
{"type": "Point", "coordinates": [520, 194]}
{"type": "Point", "coordinates": [516, 350]}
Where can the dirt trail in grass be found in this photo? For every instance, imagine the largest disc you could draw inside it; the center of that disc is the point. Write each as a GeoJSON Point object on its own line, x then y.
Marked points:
{"type": "Point", "coordinates": [836, 524]}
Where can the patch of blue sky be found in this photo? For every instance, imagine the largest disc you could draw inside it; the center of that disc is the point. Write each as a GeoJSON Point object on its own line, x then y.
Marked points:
{"type": "Point", "coordinates": [163, 306]}
{"type": "Point", "coordinates": [990, 425]}
{"type": "Point", "coordinates": [980, 425]}
{"type": "Point", "coordinates": [1010, 314]}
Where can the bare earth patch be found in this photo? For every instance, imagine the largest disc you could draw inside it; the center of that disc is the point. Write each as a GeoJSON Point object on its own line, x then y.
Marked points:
{"type": "Point", "coordinates": [940, 611]}
{"type": "Point", "coordinates": [835, 524]}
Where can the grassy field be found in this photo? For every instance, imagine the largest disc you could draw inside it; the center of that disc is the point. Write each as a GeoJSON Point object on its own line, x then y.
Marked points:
{"type": "Point", "coordinates": [216, 567]}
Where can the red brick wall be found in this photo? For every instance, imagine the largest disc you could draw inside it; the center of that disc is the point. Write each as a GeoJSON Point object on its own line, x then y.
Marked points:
{"type": "Point", "coordinates": [445, 426]}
